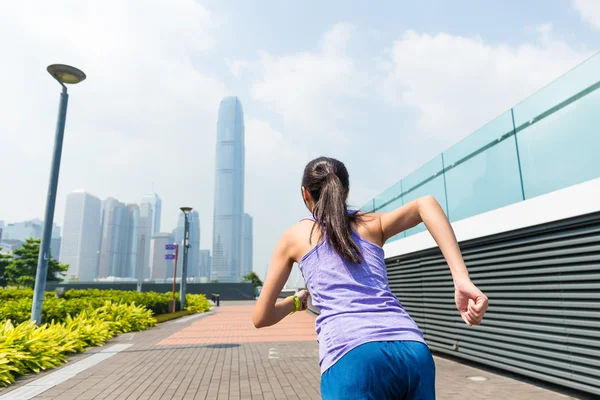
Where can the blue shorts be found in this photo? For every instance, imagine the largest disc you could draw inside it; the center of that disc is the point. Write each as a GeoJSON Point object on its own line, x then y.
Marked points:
{"type": "Point", "coordinates": [382, 370]}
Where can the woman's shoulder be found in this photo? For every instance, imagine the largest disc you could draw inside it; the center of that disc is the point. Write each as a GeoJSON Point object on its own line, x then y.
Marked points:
{"type": "Point", "coordinates": [369, 227]}
{"type": "Point", "coordinates": [301, 237]}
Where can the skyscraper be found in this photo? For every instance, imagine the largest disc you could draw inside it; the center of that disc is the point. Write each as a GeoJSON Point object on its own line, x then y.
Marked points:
{"type": "Point", "coordinates": [194, 242]}
{"type": "Point", "coordinates": [145, 236]}
{"type": "Point", "coordinates": [132, 232]}
{"type": "Point", "coordinates": [155, 204]}
{"type": "Point", "coordinates": [247, 246]}
{"type": "Point", "coordinates": [81, 235]}
{"type": "Point", "coordinates": [24, 230]}
{"type": "Point", "coordinates": [111, 244]}
{"type": "Point", "coordinates": [119, 239]}
{"type": "Point", "coordinates": [229, 192]}
{"type": "Point", "coordinates": [204, 264]}
{"type": "Point", "coordinates": [150, 214]}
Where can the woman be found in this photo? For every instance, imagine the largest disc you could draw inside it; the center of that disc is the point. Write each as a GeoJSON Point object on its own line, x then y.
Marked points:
{"type": "Point", "coordinates": [369, 347]}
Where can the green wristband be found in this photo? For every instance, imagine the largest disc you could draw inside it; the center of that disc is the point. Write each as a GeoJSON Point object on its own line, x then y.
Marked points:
{"type": "Point", "coordinates": [296, 303]}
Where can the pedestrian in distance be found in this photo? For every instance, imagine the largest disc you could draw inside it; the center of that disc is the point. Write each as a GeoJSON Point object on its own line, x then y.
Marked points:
{"type": "Point", "coordinates": [369, 347]}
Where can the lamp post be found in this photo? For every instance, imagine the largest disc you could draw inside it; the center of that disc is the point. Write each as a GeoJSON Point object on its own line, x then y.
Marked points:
{"type": "Point", "coordinates": [186, 245]}
{"type": "Point", "coordinates": [70, 75]}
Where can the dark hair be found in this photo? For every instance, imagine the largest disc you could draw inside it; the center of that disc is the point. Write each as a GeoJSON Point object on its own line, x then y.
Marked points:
{"type": "Point", "coordinates": [327, 181]}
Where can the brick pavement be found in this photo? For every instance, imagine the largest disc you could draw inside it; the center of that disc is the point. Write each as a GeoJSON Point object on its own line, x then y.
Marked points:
{"type": "Point", "coordinates": [221, 356]}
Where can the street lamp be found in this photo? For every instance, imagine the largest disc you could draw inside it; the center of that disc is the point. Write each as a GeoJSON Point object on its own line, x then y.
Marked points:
{"type": "Point", "coordinates": [70, 75]}
{"type": "Point", "coordinates": [186, 241]}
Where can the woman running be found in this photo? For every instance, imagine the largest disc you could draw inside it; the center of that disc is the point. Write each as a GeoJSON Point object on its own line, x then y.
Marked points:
{"type": "Point", "coordinates": [369, 347]}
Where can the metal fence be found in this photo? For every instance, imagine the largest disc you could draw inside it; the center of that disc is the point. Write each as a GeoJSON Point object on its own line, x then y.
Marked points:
{"type": "Point", "coordinates": [543, 284]}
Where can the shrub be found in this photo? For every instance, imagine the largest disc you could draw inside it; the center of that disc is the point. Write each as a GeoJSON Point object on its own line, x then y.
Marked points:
{"type": "Point", "coordinates": [197, 303]}
{"type": "Point", "coordinates": [158, 303]}
{"type": "Point", "coordinates": [8, 294]}
{"type": "Point", "coordinates": [28, 348]}
{"type": "Point", "coordinates": [16, 303]}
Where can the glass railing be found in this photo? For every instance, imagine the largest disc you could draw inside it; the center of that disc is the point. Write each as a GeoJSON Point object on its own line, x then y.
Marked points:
{"type": "Point", "coordinates": [549, 141]}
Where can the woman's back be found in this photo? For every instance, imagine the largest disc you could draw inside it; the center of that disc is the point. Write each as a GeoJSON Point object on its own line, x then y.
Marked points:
{"type": "Point", "coordinates": [369, 347]}
{"type": "Point", "coordinates": [354, 301]}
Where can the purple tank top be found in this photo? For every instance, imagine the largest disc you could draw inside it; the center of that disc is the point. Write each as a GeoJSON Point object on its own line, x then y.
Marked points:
{"type": "Point", "coordinates": [355, 302]}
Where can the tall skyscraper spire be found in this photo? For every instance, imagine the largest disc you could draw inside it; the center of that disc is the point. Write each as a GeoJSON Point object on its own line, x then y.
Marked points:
{"type": "Point", "coordinates": [229, 192]}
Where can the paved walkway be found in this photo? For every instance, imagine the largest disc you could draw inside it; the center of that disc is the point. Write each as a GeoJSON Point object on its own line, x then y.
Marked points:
{"type": "Point", "coordinates": [221, 356]}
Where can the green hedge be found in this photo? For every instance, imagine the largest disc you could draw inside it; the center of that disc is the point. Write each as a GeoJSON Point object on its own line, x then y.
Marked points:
{"type": "Point", "coordinates": [26, 348]}
{"type": "Point", "coordinates": [16, 303]}
{"type": "Point", "coordinates": [80, 319]}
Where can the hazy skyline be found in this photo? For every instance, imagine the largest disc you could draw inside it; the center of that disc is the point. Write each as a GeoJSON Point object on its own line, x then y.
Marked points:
{"type": "Point", "coordinates": [405, 80]}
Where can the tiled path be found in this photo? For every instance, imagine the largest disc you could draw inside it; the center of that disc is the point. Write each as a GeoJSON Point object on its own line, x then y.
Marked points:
{"type": "Point", "coordinates": [222, 356]}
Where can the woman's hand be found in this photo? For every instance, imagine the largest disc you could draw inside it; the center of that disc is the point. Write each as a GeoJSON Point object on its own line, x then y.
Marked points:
{"type": "Point", "coordinates": [470, 301]}
{"type": "Point", "coordinates": [303, 297]}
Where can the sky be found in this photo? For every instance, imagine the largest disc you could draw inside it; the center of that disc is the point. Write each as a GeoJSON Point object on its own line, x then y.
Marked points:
{"type": "Point", "coordinates": [382, 86]}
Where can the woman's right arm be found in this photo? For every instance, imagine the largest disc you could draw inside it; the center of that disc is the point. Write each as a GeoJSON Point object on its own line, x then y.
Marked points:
{"type": "Point", "coordinates": [471, 302]}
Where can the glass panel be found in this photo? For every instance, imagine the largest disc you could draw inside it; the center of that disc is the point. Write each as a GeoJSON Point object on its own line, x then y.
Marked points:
{"type": "Point", "coordinates": [485, 182]}
{"type": "Point", "coordinates": [425, 172]}
{"type": "Point", "coordinates": [389, 194]}
{"type": "Point", "coordinates": [435, 188]}
{"type": "Point", "coordinates": [414, 187]}
{"type": "Point", "coordinates": [487, 134]}
{"type": "Point", "coordinates": [489, 179]}
{"type": "Point", "coordinates": [573, 82]}
{"type": "Point", "coordinates": [369, 206]}
{"type": "Point", "coordinates": [562, 149]}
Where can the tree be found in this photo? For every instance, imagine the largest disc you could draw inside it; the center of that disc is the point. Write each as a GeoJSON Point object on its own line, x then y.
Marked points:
{"type": "Point", "coordinates": [5, 260]}
{"type": "Point", "coordinates": [23, 267]}
{"type": "Point", "coordinates": [252, 277]}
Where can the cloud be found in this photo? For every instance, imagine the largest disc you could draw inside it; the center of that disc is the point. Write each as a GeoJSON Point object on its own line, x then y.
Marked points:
{"type": "Point", "coordinates": [140, 118]}
{"type": "Point", "coordinates": [457, 83]}
{"type": "Point", "coordinates": [589, 11]}
{"type": "Point", "coordinates": [308, 90]}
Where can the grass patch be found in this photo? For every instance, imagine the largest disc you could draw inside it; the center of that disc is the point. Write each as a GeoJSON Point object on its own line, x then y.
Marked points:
{"type": "Point", "coordinates": [170, 316]}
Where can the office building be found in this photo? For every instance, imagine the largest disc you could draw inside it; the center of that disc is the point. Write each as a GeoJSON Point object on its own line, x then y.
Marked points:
{"type": "Point", "coordinates": [119, 240]}
{"type": "Point", "coordinates": [149, 223]}
{"type": "Point", "coordinates": [155, 204]}
{"type": "Point", "coordinates": [205, 260]}
{"type": "Point", "coordinates": [81, 235]}
{"type": "Point", "coordinates": [229, 192]}
{"type": "Point", "coordinates": [22, 231]}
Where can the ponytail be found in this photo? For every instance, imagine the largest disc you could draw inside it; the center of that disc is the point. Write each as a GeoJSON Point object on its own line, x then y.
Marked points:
{"type": "Point", "coordinates": [330, 211]}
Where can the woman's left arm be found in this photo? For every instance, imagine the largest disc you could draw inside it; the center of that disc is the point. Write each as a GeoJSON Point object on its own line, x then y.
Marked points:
{"type": "Point", "coordinates": [268, 311]}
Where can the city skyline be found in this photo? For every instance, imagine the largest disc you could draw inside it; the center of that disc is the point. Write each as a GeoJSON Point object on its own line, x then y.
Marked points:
{"type": "Point", "coordinates": [416, 78]}
{"type": "Point", "coordinates": [122, 231]}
